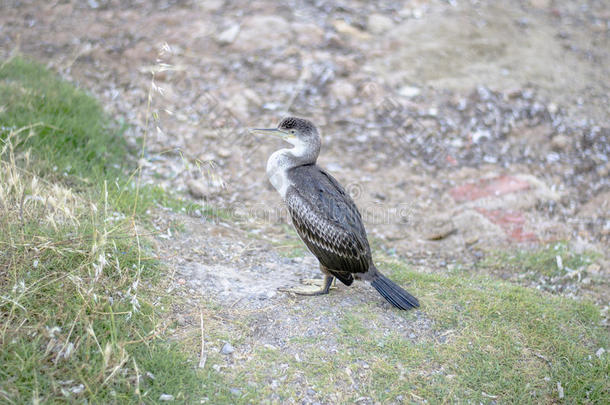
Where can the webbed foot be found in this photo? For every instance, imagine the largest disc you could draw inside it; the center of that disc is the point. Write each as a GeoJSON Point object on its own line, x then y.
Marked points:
{"type": "Point", "coordinates": [312, 287]}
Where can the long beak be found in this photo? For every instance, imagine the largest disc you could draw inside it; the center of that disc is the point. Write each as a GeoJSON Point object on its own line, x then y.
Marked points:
{"type": "Point", "coordinates": [269, 131]}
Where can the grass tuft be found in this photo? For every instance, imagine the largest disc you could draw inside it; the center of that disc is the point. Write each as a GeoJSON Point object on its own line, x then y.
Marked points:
{"type": "Point", "coordinates": [79, 318]}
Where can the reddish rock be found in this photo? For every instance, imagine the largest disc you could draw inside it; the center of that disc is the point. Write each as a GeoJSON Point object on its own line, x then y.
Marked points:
{"type": "Point", "coordinates": [451, 160]}
{"type": "Point", "coordinates": [488, 187]}
{"type": "Point", "coordinates": [512, 222]}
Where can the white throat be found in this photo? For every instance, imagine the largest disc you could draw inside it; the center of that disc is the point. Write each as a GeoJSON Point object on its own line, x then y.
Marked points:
{"type": "Point", "coordinates": [283, 160]}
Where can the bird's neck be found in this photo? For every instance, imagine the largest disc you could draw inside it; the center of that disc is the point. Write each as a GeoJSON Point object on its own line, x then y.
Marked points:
{"type": "Point", "coordinates": [299, 155]}
{"type": "Point", "coordinates": [285, 159]}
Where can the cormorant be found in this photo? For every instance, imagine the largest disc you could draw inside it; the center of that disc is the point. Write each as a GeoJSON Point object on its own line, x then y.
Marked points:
{"type": "Point", "coordinates": [324, 215]}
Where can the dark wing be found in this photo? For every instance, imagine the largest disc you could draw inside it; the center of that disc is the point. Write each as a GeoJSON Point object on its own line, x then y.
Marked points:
{"type": "Point", "coordinates": [328, 221]}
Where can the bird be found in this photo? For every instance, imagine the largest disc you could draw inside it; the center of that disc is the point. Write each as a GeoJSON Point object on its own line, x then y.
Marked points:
{"type": "Point", "coordinates": [324, 215]}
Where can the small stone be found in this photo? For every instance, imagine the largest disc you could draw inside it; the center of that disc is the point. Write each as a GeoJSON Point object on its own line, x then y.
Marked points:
{"type": "Point", "coordinates": [379, 23]}
{"type": "Point", "coordinates": [600, 352]}
{"type": "Point", "coordinates": [540, 4]}
{"type": "Point", "coordinates": [224, 152]}
{"type": "Point", "coordinates": [348, 30]}
{"type": "Point", "coordinates": [308, 34]}
{"type": "Point", "coordinates": [211, 5]}
{"type": "Point", "coordinates": [235, 391]}
{"type": "Point", "coordinates": [409, 91]}
{"type": "Point", "coordinates": [238, 105]}
{"type": "Point", "coordinates": [227, 349]}
{"type": "Point", "coordinates": [198, 188]}
{"type": "Point", "coordinates": [229, 35]}
{"type": "Point", "coordinates": [480, 135]}
{"type": "Point", "coordinates": [371, 167]}
{"type": "Point", "coordinates": [439, 228]}
{"type": "Point", "coordinates": [343, 91]}
{"type": "Point", "coordinates": [166, 397]}
{"type": "Point", "coordinates": [252, 97]}
{"type": "Point", "coordinates": [284, 71]}
{"type": "Point", "coordinates": [345, 65]}
{"type": "Point", "coordinates": [559, 390]}
{"type": "Point", "coordinates": [261, 32]}
{"type": "Point", "coordinates": [560, 142]}
{"type": "Point", "coordinates": [359, 111]}
{"type": "Point", "coordinates": [77, 389]}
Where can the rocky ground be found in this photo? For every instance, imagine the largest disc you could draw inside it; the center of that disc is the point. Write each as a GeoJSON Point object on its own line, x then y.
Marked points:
{"type": "Point", "coordinates": [459, 127]}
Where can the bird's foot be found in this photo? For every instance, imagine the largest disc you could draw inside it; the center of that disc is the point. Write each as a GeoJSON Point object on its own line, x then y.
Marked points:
{"type": "Point", "coordinates": [304, 290]}
{"type": "Point", "coordinates": [311, 287]}
{"type": "Point", "coordinates": [315, 281]}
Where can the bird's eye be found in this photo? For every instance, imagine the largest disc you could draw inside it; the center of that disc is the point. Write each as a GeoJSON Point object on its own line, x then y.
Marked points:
{"type": "Point", "coordinates": [292, 131]}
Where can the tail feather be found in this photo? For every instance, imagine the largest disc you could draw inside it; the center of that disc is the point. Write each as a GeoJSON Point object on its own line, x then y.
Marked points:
{"type": "Point", "coordinates": [393, 293]}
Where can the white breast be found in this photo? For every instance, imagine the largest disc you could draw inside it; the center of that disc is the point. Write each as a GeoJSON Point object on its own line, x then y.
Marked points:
{"type": "Point", "coordinates": [277, 171]}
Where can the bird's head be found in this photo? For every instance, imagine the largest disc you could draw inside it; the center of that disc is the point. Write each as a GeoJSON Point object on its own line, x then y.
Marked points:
{"type": "Point", "coordinates": [297, 131]}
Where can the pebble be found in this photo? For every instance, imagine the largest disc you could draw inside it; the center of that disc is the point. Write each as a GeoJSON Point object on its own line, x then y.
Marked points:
{"type": "Point", "coordinates": [238, 104]}
{"type": "Point", "coordinates": [409, 91]}
{"type": "Point", "coordinates": [284, 71]}
{"type": "Point", "coordinates": [198, 188]}
{"type": "Point", "coordinates": [560, 142]}
{"type": "Point", "coordinates": [379, 23]}
{"type": "Point", "coordinates": [224, 152]}
{"type": "Point", "coordinates": [349, 30]}
{"type": "Point", "coordinates": [343, 91]}
{"type": "Point", "coordinates": [359, 111]}
{"type": "Point", "coordinates": [229, 35]}
{"type": "Point", "coordinates": [227, 349]}
{"type": "Point", "coordinates": [262, 32]}
{"type": "Point", "coordinates": [540, 4]}
{"type": "Point", "coordinates": [308, 34]}
{"type": "Point", "coordinates": [166, 397]}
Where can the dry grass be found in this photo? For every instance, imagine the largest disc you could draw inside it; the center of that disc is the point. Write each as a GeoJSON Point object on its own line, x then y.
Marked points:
{"type": "Point", "coordinates": [79, 317]}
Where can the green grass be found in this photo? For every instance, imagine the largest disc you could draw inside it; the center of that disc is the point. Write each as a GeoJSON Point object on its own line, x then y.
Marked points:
{"type": "Point", "coordinates": [70, 132]}
{"type": "Point", "coordinates": [486, 341]}
{"type": "Point", "coordinates": [538, 262]}
{"type": "Point", "coordinates": [72, 141]}
{"type": "Point", "coordinates": [79, 314]}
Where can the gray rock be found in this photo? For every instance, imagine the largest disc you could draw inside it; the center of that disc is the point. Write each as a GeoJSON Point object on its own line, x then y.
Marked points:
{"type": "Point", "coordinates": [261, 32]}
{"type": "Point", "coordinates": [409, 91]}
{"type": "Point", "coordinates": [227, 349]}
{"type": "Point", "coordinates": [540, 4]}
{"type": "Point", "coordinates": [560, 142]}
{"type": "Point", "coordinates": [284, 71]}
{"type": "Point", "coordinates": [166, 397]}
{"type": "Point", "coordinates": [308, 34]}
{"type": "Point", "coordinates": [238, 105]}
{"type": "Point", "coordinates": [349, 31]}
{"type": "Point", "coordinates": [211, 5]}
{"type": "Point", "coordinates": [198, 188]}
{"type": "Point", "coordinates": [229, 35]}
{"type": "Point", "coordinates": [343, 91]}
{"type": "Point", "coordinates": [379, 23]}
